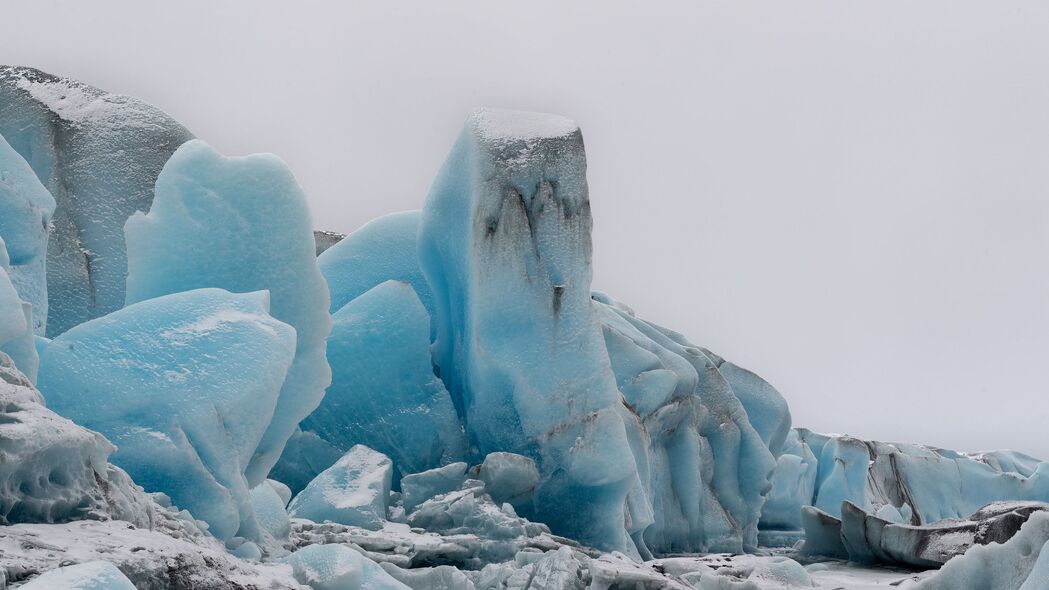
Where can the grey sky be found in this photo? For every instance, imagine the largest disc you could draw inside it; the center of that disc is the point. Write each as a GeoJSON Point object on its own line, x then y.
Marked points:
{"type": "Point", "coordinates": [849, 198]}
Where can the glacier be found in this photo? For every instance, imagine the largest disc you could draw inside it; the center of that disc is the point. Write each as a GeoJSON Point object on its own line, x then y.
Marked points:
{"type": "Point", "coordinates": [241, 224]}
{"type": "Point", "coordinates": [92, 575]}
{"type": "Point", "coordinates": [383, 393]}
{"type": "Point", "coordinates": [185, 385]}
{"type": "Point", "coordinates": [98, 154]}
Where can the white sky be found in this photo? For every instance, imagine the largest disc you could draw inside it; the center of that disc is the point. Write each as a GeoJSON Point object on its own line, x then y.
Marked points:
{"type": "Point", "coordinates": [850, 198]}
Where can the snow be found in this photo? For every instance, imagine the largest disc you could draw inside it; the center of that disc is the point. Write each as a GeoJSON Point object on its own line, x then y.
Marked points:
{"type": "Point", "coordinates": [92, 575]}
{"type": "Point", "coordinates": [354, 491]}
{"type": "Point", "coordinates": [98, 154]}
{"type": "Point", "coordinates": [185, 399]}
{"type": "Point", "coordinates": [384, 393]}
{"type": "Point", "coordinates": [511, 126]}
{"type": "Point", "coordinates": [240, 224]}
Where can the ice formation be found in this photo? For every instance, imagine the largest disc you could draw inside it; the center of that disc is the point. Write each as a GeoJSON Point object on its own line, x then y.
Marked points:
{"type": "Point", "coordinates": [92, 575]}
{"type": "Point", "coordinates": [337, 567]}
{"type": "Point", "coordinates": [17, 340]}
{"type": "Point", "coordinates": [383, 392]}
{"type": "Point", "coordinates": [99, 155]}
{"type": "Point", "coordinates": [25, 212]}
{"type": "Point", "coordinates": [269, 508]}
{"type": "Point", "coordinates": [240, 224]}
{"type": "Point", "coordinates": [354, 491]}
{"type": "Point", "coordinates": [185, 385]}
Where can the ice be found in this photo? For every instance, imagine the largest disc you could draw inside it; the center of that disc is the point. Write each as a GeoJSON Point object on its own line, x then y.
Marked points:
{"type": "Point", "coordinates": [509, 478]}
{"type": "Point", "coordinates": [93, 575]}
{"type": "Point", "coordinates": [283, 491]}
{"type": "Point", "coordinates": [304, 457]}
{"type": "Point", "coordinates": [504, 244]}
{"type": "Point", "coordinates": [98, 154]}
{"type": "Point", "coordinates": [25, 212]}
{"type": "Point", "coordinates": [1021, 563]}
{"type": "Point", "coordinates": [354, 491]}
{"type": "Point", "coordinates": [381, 250]}
{"type": "Point", "coordinates": [822, 533]}
{"type": "Point", "coordinates": [419, 487]}
{"type": "Point", "coordinates": [240, 224]}
{"type": "Point", "coordinates": [336, 567]}
{"type": "Point", "coordinates": [384, 393]}
{"type": "Point", "coordinates": [52, 470]}
{"type": "Point", "coordinates": [326, 239]}
{"type": "Point", "coordinates": [17, 340]}
{"type": "Point", "coordinates": [269, 510]}
{"type": "Point", "coordinates": [793, 486]}
{"type": "Point", "coordinates": [705, 468]}
{"type": "Point", "coordinates": [184, 385]}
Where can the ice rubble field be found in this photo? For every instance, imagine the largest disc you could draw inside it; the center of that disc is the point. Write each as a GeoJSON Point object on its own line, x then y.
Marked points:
{"type": "Point", "coordinates": [198, 391]}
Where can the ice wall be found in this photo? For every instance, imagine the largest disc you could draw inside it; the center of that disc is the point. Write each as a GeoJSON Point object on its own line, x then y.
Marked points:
{"type": "Point", "coordinates": [505, 246]}
{"type": "Point", "coordinates": [185, 385]}
{"type": "Point", "coordinates": [99, 155]}
{"type": "Point", "coordinates": [240, 224]}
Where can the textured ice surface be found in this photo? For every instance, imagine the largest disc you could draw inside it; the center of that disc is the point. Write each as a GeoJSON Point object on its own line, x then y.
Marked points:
{"type": "Point", "coordinates": [92, 575]}
{"type": "Point", "coordinates": [509, 478]}
{"type": "Point", "coordinates": [52, 470]}
{"type": "Point", "coordinates": [505, 245]}
{"type": "Point", "coordinates": [326, 239]}
{"type": "Point", "coordinates": [99, 155]}
{"type": "Point", "coordinates": [382, 249]}
{"type": "Point", "coordinates": [25, 211]}
{"type": "Point", "coordinates": [704, 468]}
{"type": "Point", "coordinates": [240, 224]}
{"type": "Point", "coordinates": [304, 457]}
{"type": "Point", "coordinates": [17, 340]}
{"type": "Point", "coordinates": [1021, 563]}
{"type": "Point", "coordinates": [184, 385]}
{"type": "Point", "coordinates": [383, 393]}
{"type": "Point", "coordinates": [354, 491]}
{"type": "Point", "coordinates": [793, 486]}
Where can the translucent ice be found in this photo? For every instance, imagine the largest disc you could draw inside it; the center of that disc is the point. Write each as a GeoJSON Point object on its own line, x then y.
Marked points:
{"type": "Point", "coordinates": [25, 211]}
{"type": "Point", "coordinates": [337, 567]}
{"type": "Point", "coordinates": [419, 487]}
{"type": "Point", "coordinates": [16, 324]}
{"type": "Point", "coordinates": [509, 478]}
{"type": "Point", "coordinates": [93, 575]}
{"type": "Point", "coordinates": [185, 385]}
{"type": "Point", "coordinates": [381, 250]}
{"type": "Point", "coordinates": [384, 394]}
{"type": "Point", "coordinates": [240, 224]}
{"type": "Point", "coordinates": [270, 511]}
{"type": "Point", "coordinates": [354, 491]}
{"type": "Point", "coordinates": [793, 486]}
{"type": "Point", "coordinates": [504, 244]}
{"type": "Point", "coordinates": [99, 155]}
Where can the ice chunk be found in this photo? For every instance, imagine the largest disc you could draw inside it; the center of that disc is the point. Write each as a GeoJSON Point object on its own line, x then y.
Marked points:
{"type": "Point", "coordinates": [381, 250]}
{"type": "Point", "coordinates": [93, 575]}
{"type": "Point", "coordinates": [53, 470]}
{"type": "Point", "coordinates": [442, 577]}
{"type": "Point", "coordinates": [326, 239]}
{"type": "Point", "coordinates": [822, 534]}
{"type": "Point", "coordinates": [185, 385]}
{"type": "Point", "coordinates": [1021, 563]}
{"type": "Point", "coordinates": [304, 457]}
{"type": "Point", "coordinates": [419, 487]}
{"type": "Point", "coordinates": [12, 317]}
{"type": "Point", "coordinates": [355, 491]}
{"type": "Point", "coordinates": [504, 244]}
{"type": "Point", "coordinates": [337, 567]}
{"type": "Point", "coordinates": [270, 511]}
{"type": "Point", "coordinates": [99, 155]}
{"type": "Point", "coordinates": [509, 478]}
{"type": "Point", "coordinates": [240, 224]}
{"type": "Point", "coordinates": [25, 212]}
{"type": "Point", "coordinates": [384, 394]}
{"type": "Point", "coordinates": [793, 486]}
{"type": "Point", "coordinates": [283, 491]}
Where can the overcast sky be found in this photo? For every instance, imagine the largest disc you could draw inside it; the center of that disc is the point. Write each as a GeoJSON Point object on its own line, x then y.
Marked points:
{"type": "Point", "coordinates": [849, 198]}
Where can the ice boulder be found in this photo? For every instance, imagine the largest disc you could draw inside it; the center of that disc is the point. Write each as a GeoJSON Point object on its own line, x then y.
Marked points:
{"type": "Point", "coordinates": [92, 575]}
{"type": "Point", "coordinates": [337, 567]}
{"type": "Point", "coordinates": [1021, 563]}
{"type": "Point", "coordinates": [793, 486]}
{"type": "Point", "coordinates": [98, 154]}
{"type": "Point", "coordinates": [419, 487]}
{"type": "Point", "coordinates": [509, 478]}
{"type": "Point", "coordinates": [52, 470]}
{"type": "Point", "coordinates": [16, 324]}
{"type": "Point", "coordinates": [240, 224]}
{"type": "Point", "coordinates": [354, 491]}
{"type": "Point", "coordinates": [304, 457]}
{"type": "Point", "coordinates": [185, 385]}
{"type": "Point", "coordinates": [504, 244]}
{"type": "Point", "coordinates": [383, 393]}
{"type": "Point", "coordinates": [269, 510]}
{"type": "Point", "coordinates": [25, 212]}
{"type": "Point", "coordinates": [381, 250]}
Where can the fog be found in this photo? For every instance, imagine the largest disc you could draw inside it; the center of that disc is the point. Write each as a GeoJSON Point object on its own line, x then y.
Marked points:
{"type": "Point", "coordinates": [850, 199]}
